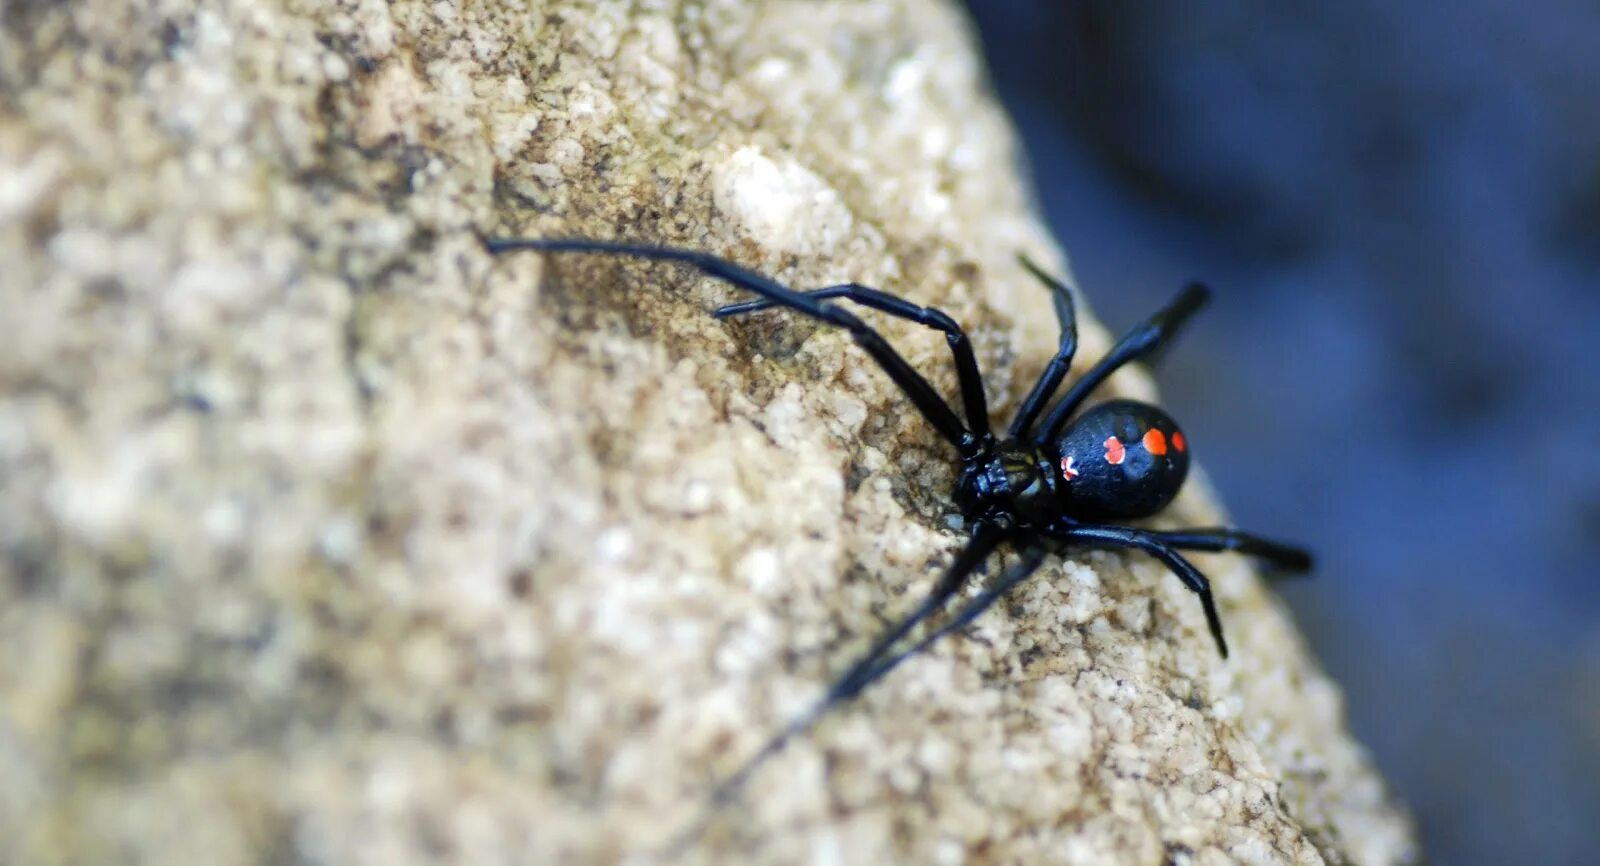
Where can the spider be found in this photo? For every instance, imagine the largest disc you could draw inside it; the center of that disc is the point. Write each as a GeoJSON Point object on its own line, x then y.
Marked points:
{"type": "Point", "coordinates": [1066, 480]}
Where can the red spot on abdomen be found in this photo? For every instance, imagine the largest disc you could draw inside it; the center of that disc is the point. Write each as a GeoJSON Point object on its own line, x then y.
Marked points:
{"type": "Point", "coordinates": [1114, 451]}
{"type": "Point", "coordinates": [1155, 442]}
{"type": "Point", "coordinates": [1177, 440]}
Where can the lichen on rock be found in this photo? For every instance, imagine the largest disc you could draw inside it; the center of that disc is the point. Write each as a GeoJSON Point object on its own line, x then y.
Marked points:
{"type": "Point", "coordinates": [328, 538]}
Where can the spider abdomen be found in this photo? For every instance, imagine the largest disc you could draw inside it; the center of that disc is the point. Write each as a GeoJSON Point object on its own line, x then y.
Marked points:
{"type": "Point", "coordinates": [1121, 460]}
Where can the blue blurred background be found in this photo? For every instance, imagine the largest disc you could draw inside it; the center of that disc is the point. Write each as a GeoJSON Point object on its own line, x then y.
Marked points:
{"type": "Point", "coordinates": [1399, 205]}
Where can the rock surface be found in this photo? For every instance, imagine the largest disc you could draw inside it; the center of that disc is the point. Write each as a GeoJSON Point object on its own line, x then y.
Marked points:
{"type": "Point", "coordinates": [327, 538]}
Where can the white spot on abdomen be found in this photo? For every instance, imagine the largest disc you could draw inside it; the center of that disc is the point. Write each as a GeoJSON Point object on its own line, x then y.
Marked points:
{"type": "Point", "coordinates": [1069, 467]}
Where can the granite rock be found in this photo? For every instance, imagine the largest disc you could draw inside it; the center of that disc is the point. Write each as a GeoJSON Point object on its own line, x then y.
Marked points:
{"type": "Point", "coordinates": [329, 538]}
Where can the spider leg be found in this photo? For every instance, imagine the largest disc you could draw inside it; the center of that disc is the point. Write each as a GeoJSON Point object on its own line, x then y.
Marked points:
{"type": "Point", "coordinates": [1019, 572]}
{"type": "Point", "coordinates": [850, 683]}
{"type": "Point", "coordinates": [1144, 340]}
{"type": "Point", "coordinates": [922, 394]}
{"type": "Point", "coordinates": [1056, 370]}
{"type": "Point", "coordinates": [972, 396]}
{"type": "Point", "coordinates": [1153, 544]}
{"type": "Point", "coordinates": [1291, 559]}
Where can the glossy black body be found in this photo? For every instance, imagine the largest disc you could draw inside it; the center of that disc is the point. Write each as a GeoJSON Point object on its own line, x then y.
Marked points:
{"type": "Point", "coordinates": [1143, 482]}
{"type": "Point", "coordinates": [1056, 479]}
{"type": "Point", "coordinates": [1073, 478]}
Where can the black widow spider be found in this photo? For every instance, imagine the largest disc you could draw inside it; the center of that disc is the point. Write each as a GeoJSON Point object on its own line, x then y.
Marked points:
{"type": "Point", "coordinates": [1042, 489]}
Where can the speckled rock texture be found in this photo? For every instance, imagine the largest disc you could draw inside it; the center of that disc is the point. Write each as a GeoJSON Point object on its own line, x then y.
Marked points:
{"type": "Point", "coordinates": [326, 538]}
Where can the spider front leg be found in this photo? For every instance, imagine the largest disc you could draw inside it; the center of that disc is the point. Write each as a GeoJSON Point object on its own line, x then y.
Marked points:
{"type": "Point", "coordinates": [863, 672]}
{"type": "Point", "coordinates": [1032, 557]}
{"type": "Point", "coordinates": [972, 396]}
{"type": "Point", "coordinates": [916, 388]}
